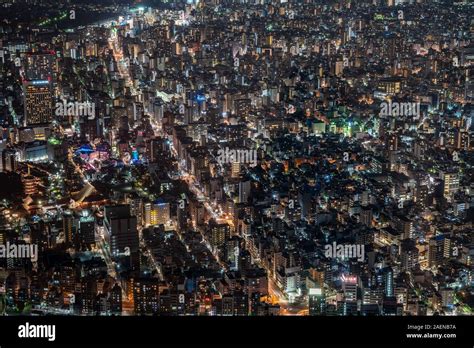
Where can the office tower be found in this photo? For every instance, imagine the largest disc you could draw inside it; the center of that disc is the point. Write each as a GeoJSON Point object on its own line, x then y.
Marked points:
{"type": "Point", "coordinates": [197, 212]}
{"type": "Point", "coordinates": [366, 216]}
{"type": "Point", "coordinates": [147, 208]}
{"type": "Point", "coordinates": [387, 274]}
{"type": "Point", "coordinates": [160, 213]}
{"type": "Point", "coordinates": [86, 228]}
{"type": "Point", "coordinates": [157, 213]}
{"type": "Point", "coordinates": [68, 226]}
{"type": "Point", "coordinates": [88, 294]}
{"type": "Point", "coordinates": [242, 107]}
{"type": "Point", "coordinates": [236, 304]}
{"type": "Point", "coordinates": [447, 247]}
{"type": "Point", "coordinates": [436, 250]}
{"type": "Point", "coordinates": [236, 167]}
{"type": "Point", "coordinates": [317, 301]}
{"type": "Point", "coordinates": [348, 305]}
{"type": "Point", "coordinates": [40, 66]}
{"type": "Point", "coordinates": [255, 303]}
{"type": "Point", "coordinates": [232, 252]}
{"type": "Point", "coordinates": [38, 86]}
{"type": "Point", "coordinates": [136, 208]}
{"type": "Point", "coordinates": [393, 142]}
{"type": "Point", "coordinates": [67, 277]}
{"type": "Point", "coordinates": [305, 202]}
{"type": "Point", "coordinates": [36, 290]}
{"type": "Point", "coordinates": [244, 191]}
{"type": "Point", "coordinates": [408, 255]}
{"type": "Point", "coordinates": [116, 299]}
{"type": "Point", "coordinates": [225, 306]}
{"type": "Point", "coordinates": [240, 303]}
{"type": "Point", "coordinates": [349, 287]}
{"type": "Point", "coordinates": [339, 68]}
{"type": "Point", "coordinates": [447, 297]}
{"type": "Point", "coordinates": [391, 307]}
{"type": "Point", "coordinates": [365, 198]}
{"type": "Point", "coordinates": [146, 296]}
{"type": "Point", "coordinates": [461, 141]}
{"type": "Point", "coordinates": [219, 234]}
{"type": "Point", "coordinates": [121, 229]}
{"type": "Point", "coordinates": [8, 161]}
{"type": "Point", "coordinates": [165, 303]}
{"type": "Point", "coordinates": [450, 184]}
{"type": "Point", "coordinates": [406, 227]}
{"type": "Point", "coordinates": [38, 102]}
{"type": "Point", "coordinates": [422, 195]}
{"type": "Point", "coordinates": [467, 255]}
{"type": "Point", "coordinates": [23, 291]}
{"type": "Point", "coordinates": [372, 295]}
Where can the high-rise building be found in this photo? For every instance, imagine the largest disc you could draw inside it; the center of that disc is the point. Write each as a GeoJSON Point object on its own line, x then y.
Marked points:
{"type": "Point", "coordinates": [372, 295]}
{"type": "Point", "coordinates": [40, 66]}
{"type": "Point", "coordinates": [317, 301]}
{"type": "Point", "coordinates": [393, 142]}
{"type": "Point", "coordinates": [68, 226]}
{"type": "Point", "coordinates": [157, 213]}
{"type": "Point", "coordinates": [422, 195]}
{"type": "Point", "coordinates": [388, 281]}
{"type": "Point", "coordinates": [450, 184]}
{"type": "Point", "coordinates": [349, 286]}
{"type": "Point", "coordinates": [38, 79]}
{"type": "Point", "coordinates": [436, 250]}
{"type": "Point", "coordinates": [219, 233]}
{"type": "Point", "coordinates": [408, 255]}
{"type": "Point", "coordinates": [136, 208]}
{"type": "Point", "coordinates": [146, 296]}
{"type": "Point", "coordinates": [87, 228]}
{"type": "Point", "coordinates": [244, 191]}
{"type": "Point", "coordinates": [116, 299]}
{"type": "Point", "coordinates": [88, 294]}
{"type": "Point", "coordinates": [67, 276]}
{"type": "Point", "coordinates": [366, 216]}
{"type": "Point", "coordinates": [161, 213]}
{"type": "Point", "coordinates": [241, 303]}
{"type": "Point", "coordinates": [38, 102]}
{"type": "Point", "coordinates": [121, 229]}
{"type": "Point", "coordinates": [8, 161]}
{"type": "Point", "coordinates": [405, 226]}
{"type": "Point", "coordinates": [236, 167]}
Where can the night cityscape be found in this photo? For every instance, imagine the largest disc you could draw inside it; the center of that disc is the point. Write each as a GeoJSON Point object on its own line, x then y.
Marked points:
{"type": "Point", "coordinates": [237, 158]}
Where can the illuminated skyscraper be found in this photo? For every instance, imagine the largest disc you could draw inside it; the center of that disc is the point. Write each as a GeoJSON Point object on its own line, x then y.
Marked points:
{"type": "Point", "coordinates": [157, 213]}
{"type": "Point", "coordinates": [450, 184]}
{"type": "Point", "coordinates": [116, 299]}
{"type": "Point", "coordinates": [87, 228]}
{"type": "Point", "coordinates": [39, 71]}
{"type": "Point", "coordinates": [121, 229]}
{"type": "Point", "coordinates": [68, 226]}
{"type": "Point", "coordinates": [317, 301]}
{"type": "Point", "coordinates": [146, 296]}
{"type": "Point", "coordinates": [219, 233]}
{"type": "Point", "coordinates": [388, 281]}
{"type": "Point", "coordinates": [40, 66]}
{"type": "Point", "coordinates": [349, 286]}
{"type": "Point", "coordinates": [38, 102]}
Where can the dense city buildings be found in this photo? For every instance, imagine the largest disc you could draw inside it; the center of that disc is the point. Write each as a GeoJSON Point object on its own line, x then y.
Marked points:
{"type": "Point", "coordinates": [237, 158]}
